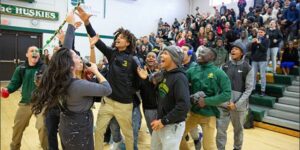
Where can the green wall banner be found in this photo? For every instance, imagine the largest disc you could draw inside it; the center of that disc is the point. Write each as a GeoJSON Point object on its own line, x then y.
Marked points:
{"type": "Point", "coordinates": [28, 12]}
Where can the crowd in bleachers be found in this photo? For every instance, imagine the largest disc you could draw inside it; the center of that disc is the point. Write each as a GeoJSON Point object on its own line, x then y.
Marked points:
{"type": "Point", "coordinates": [279, 18]}
{"type": "Point", "coordinates": [194, 76]}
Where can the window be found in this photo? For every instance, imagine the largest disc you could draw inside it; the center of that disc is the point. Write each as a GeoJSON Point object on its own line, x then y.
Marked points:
{"type": "Point", "coordinates": [219, 2]}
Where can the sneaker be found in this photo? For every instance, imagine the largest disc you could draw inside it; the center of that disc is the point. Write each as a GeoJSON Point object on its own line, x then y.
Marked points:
{"type": "Point", "coordinates": [262, 93]}
{"type": "Point", "coordinates": [115, 145]}
{"type": "Point", "coordinates": [197, 144]}
{"type": "Point", "coordinates": [253, 92]}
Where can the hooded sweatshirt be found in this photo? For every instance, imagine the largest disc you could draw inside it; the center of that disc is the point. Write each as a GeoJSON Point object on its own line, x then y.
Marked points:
{"type": "Point", "coordinates": [214, 83]}
{"type": "Point", "coordinates": [173, 97]}
{"type": "Point", "coordinates": [241, 76]}
{"type": "Point", "coordinates": [292, 15]}
{"type": "Point", "coordinates": [122, 75]}
{"type": "Point", "coordinates": [25, 79]}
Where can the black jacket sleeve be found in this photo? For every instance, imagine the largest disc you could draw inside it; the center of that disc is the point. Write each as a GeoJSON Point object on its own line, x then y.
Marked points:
{"type": "Point", "coordinates": [182, 104]}
{"type": "Point", "coordinates": [107, 51]}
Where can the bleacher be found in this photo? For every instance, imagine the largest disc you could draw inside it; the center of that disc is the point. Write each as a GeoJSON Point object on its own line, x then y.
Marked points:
{"type": "Point", "coordinates": [282, 105]}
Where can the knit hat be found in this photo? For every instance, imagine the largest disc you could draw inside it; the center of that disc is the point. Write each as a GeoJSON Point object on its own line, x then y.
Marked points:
{"type": "Point", "coordinates": [239, 44]}
{"type": "Point", "coordinates": [176, 54]}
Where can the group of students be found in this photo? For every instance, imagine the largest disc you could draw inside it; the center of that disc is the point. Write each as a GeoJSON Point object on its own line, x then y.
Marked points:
{"type": "Point", "coordinates": [180, 88]}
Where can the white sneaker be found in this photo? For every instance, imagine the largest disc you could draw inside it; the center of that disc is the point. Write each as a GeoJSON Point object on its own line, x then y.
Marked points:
{"type": "Point", "coordinates": [115, 146]}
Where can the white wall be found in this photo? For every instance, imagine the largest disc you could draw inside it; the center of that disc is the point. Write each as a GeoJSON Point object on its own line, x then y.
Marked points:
{"type": "Point", "coordinates": [139, 16]}
{"type": "Point", "coordinates": [207, 5]}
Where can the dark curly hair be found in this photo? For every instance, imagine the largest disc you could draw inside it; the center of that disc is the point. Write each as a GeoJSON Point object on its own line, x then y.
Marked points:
{"type": "Point", "coordinates": [129, 36]}
{"type": "Point", "coordinates": [55, 82]}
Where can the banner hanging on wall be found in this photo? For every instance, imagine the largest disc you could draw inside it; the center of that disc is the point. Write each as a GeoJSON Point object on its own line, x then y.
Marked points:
{"type": "Point", "coordinates": [28, 12]}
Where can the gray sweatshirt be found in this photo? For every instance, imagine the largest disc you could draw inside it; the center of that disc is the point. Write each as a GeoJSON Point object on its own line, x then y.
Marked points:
{"type": "Point", "coordinates": [241, 76]}
{"type": "Point", "coordinates": [81, 94]}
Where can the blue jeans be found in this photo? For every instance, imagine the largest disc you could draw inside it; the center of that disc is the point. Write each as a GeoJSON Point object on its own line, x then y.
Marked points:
{"type": "Point", "coordinates": [272, 55]}
{"type": "Point", "coordinates": [52, 121]}
{"type": "Point", "coordinates": [136, 125]}
{"type": "Point", "coordinates": [262, 66]}
{"type": "Point", "coordinates": [150, 115]}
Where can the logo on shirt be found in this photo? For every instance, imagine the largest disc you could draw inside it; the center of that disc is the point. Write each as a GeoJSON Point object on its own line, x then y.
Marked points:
{"type": "Point", "coordinates": [125, 63]}
{"type": "Point", "coordinates": [163, 89]}
{"type": "Point", "coordinates": [210, 75]}
{"type": "Point", "coordinates": [239, 71]}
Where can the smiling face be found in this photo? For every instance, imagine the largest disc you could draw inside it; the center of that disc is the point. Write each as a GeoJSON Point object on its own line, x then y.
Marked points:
{"type": "Point", "coordinates": [151, 59]}
{"type": "Point", "coordinates": [236, 53]}
{"type": "Point", "coordinates": [32, 55]}
{"type": "Point", "coordinates": [121, 43]}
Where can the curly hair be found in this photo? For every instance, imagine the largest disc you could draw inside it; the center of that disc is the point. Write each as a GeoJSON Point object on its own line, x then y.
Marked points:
{"type": "Point", "coordinates": [54, 83]}
{"type": "Point", "coordinates": [129, 36]}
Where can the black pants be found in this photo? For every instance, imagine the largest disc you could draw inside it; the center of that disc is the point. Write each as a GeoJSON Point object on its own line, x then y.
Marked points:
{"type": "Point", "coordinates": [52, 121]}
{"type": "Point", "coordinates": [76, 130]}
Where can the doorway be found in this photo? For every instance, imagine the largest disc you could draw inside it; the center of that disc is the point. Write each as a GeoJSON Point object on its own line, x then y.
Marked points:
{"type": "Point", "coordinates": [13, 48]}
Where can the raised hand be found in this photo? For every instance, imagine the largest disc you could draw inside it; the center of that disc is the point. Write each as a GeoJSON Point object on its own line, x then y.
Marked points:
{"type": "Point", "coordinates": [77, 24]}
{"type": "Point", "coordinates": [61, 36]}
{"type": "Point", "coordinates": [142, 72]}
{"type": "Point", "coordinates": [70, 18]}
{"type": "Point", "coordinates": [93, 40]}
{"type": "Point", "coordinates": [83, 15]}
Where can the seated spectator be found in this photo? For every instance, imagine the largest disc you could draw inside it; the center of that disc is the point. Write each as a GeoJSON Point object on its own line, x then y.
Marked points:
{"type": "Point", "coordinates": [290, 58]}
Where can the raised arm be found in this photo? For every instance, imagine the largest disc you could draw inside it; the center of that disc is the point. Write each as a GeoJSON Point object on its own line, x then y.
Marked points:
{"type": "Point", "coordinates": [107, 51]}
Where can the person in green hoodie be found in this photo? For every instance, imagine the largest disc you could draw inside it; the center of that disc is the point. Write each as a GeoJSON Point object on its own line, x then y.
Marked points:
{"type": "Point", "coordinates": [24, 76]}
{"type": "Point", "coordinates": [209, 87]}
{"type": "Point", "coordinates": [222, 57]}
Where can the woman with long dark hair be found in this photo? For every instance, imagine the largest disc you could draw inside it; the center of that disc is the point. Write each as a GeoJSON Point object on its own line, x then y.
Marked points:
{"type": "Point", "coordinates": [59, 87]}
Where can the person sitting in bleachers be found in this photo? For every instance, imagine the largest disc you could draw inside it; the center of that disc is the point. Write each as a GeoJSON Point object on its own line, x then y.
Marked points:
{"type": "Point", "coordinates": [290, 58]}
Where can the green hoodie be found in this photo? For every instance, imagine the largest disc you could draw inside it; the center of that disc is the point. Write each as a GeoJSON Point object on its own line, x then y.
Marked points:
{"type": "Point", "coordinates": [27, 81]}
{"type": "Point", "coordinates": [214, 83]}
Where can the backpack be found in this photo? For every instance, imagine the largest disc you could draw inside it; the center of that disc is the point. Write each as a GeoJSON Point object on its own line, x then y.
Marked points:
{"type": "Point", "coordinates": [249, 121]}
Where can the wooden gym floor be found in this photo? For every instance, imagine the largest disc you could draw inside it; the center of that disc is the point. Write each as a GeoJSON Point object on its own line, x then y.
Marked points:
{"type": "Point", "coordinates": [257, 138]}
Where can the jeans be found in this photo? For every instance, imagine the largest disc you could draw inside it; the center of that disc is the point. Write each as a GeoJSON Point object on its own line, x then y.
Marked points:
{"type": "Point", "coordinates": [168, 137]}
{"type": "Point", "coordinates": [272, 54]}
{"type": "Point", "coordinates": [262, 65]}
{"type": "Point", "coordinates": [136, 125]}
{"type": "Point", "coordinates": [52, 121]}
{"type": "Point", "coordinates": [150, 115]}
